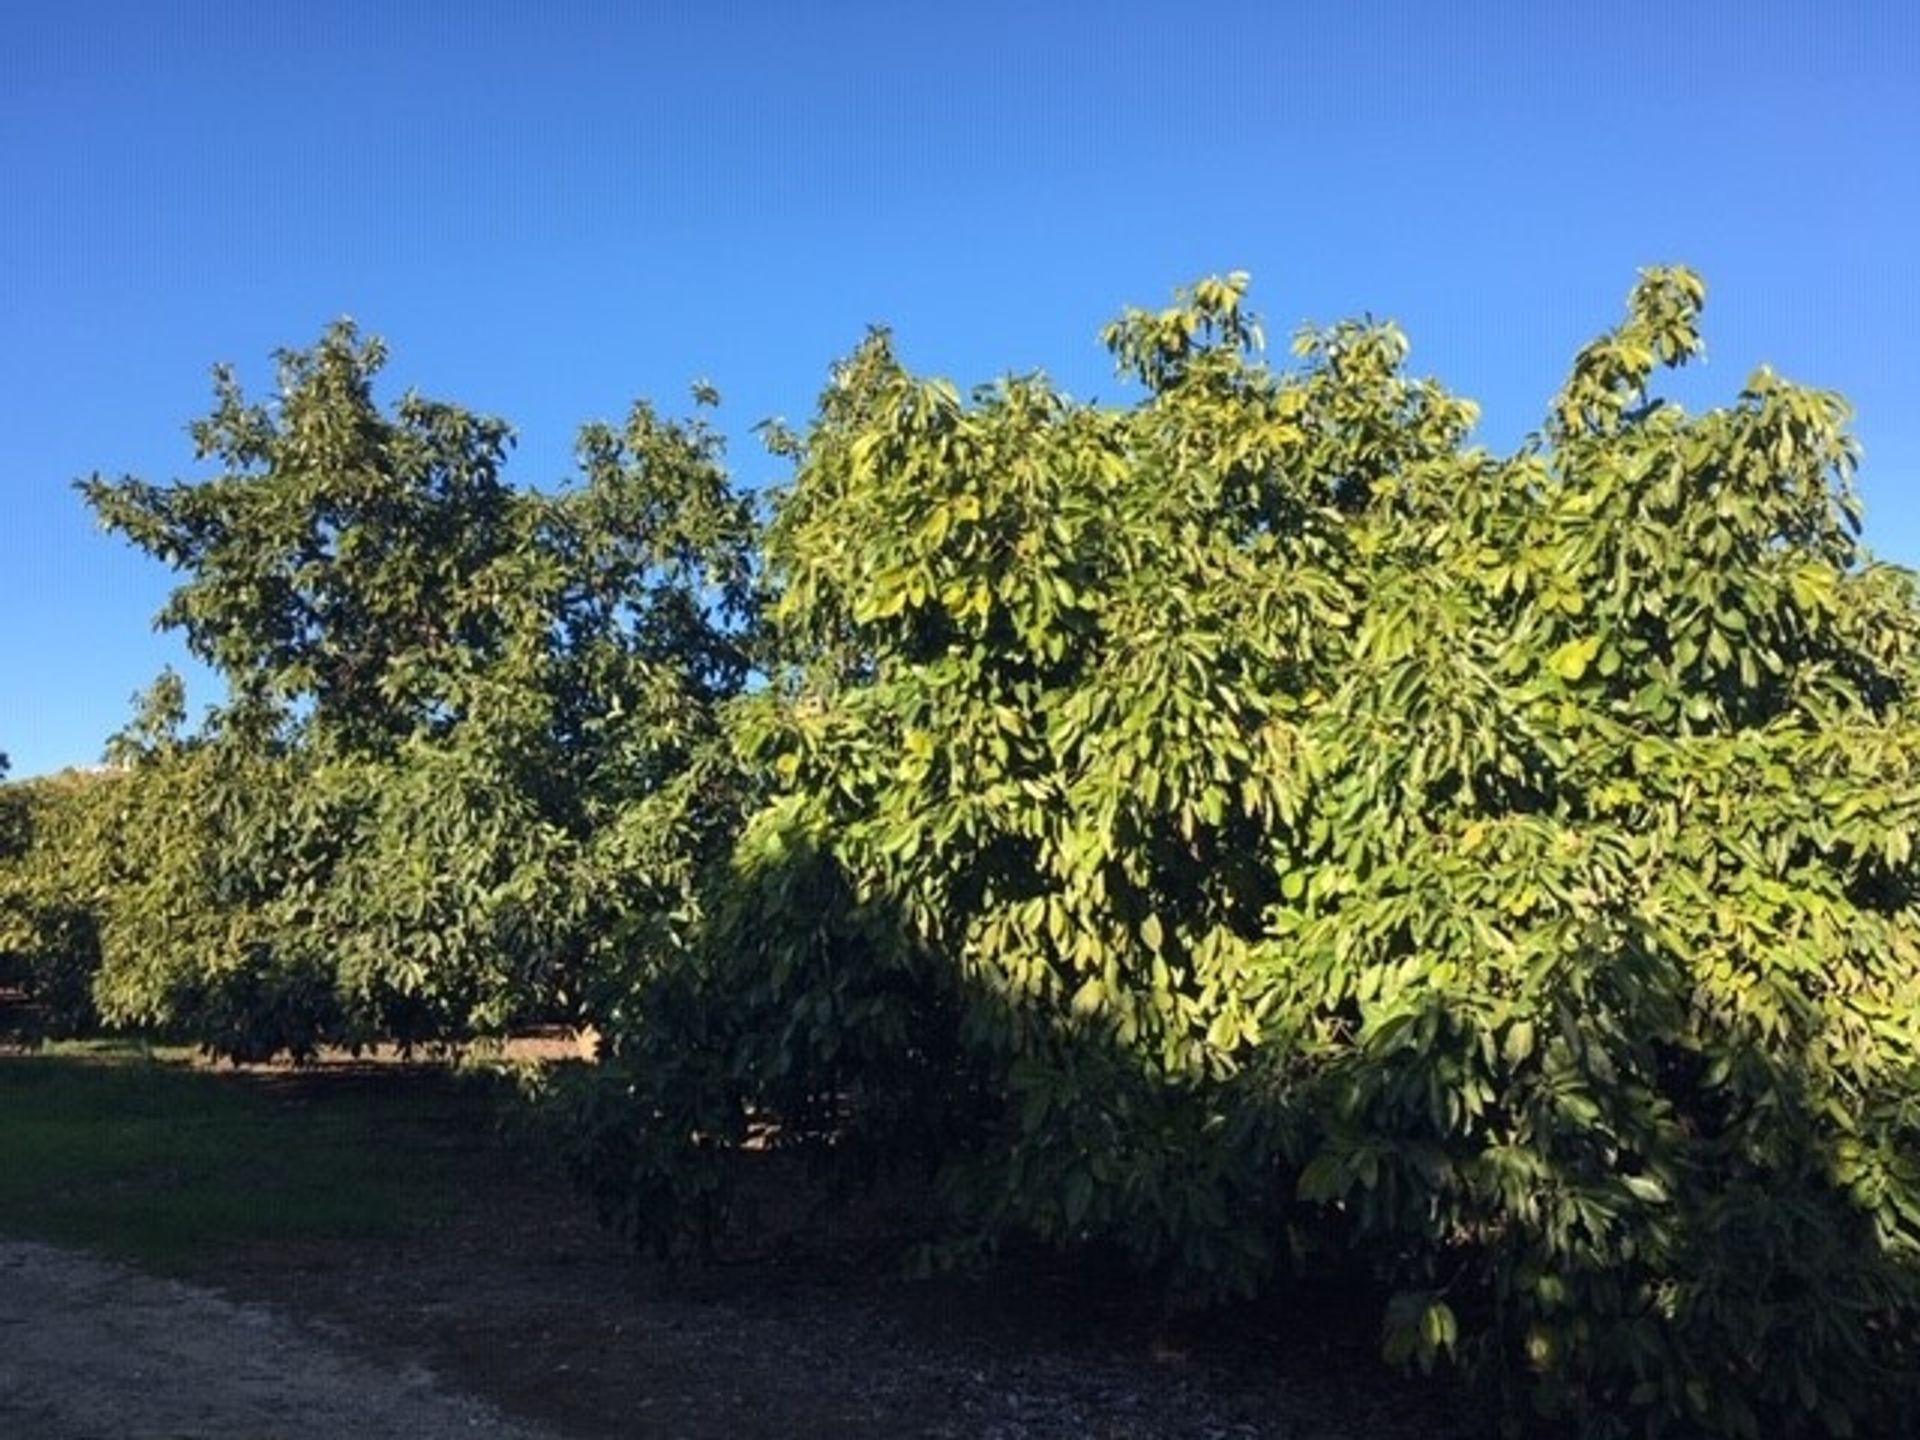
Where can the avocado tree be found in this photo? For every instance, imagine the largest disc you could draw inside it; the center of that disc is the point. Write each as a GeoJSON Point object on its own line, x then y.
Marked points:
{"type": "Point", "coordinates": [1258, 829]}
{"type": "Point", "coordinates": [53, 877]}
{"type": "Point", "coordinates": [1251, 828]}
{"type": "Point", "coordinates": [448, 700]}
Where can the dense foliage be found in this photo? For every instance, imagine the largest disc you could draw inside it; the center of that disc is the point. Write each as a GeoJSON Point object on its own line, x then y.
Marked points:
{"type": "Point", "coordinates": [461, 719]}
{"type": "Point", "coordinates": [54, 884]}
{"type": "Point", "coordinates": [1250, 828]}
{"type": "Point", "coordinates": [1255, 829]}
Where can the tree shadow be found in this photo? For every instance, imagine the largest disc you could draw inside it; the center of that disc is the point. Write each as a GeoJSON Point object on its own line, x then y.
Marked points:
{"type": "Point", "coordinates": [821, 1058]}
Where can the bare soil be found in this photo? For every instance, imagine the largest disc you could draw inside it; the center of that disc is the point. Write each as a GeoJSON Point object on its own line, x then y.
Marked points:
{"type": "Point", "coordinates": [519, 1318]}
{"type": "Point", "coordinates": [528, 1303]}
{"type": "Point", "coordinates": [90, 1349]}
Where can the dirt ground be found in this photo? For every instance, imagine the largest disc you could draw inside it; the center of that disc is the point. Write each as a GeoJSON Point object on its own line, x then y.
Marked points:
{"type": "Point", "coordinates": [429, 1348]}
{"type": "Point", "coordinates": [557, 1334]}
{"type": "Point", "coordinates": [520, 1318]}
{"type": "Point", "coordinates": [90, 1350]}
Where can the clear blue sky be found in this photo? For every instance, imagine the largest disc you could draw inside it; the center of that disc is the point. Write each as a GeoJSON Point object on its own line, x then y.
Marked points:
{"type": "Point", "coordinates": [549, 209]}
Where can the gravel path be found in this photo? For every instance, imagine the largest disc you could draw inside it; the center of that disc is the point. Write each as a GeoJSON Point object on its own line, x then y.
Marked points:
{"type": "Point", "coordinates": [93, 1351]}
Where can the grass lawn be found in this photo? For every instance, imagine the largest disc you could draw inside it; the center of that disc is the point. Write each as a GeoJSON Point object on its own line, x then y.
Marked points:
{"type": "Point", "coordinates": [143, 1155]}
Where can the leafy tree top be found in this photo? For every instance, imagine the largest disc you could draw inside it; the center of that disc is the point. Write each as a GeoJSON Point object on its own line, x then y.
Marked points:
{"type": "Point", "coordinates": [372, 572]}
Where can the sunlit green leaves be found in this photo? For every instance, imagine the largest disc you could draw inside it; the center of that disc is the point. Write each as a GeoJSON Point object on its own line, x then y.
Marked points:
{"type": "Point", "coordinates": [471, 761]}
{"type": "Point", "coordinates": [1250, 826]}
{"type": "Point", "coordinates": [1491, 840]}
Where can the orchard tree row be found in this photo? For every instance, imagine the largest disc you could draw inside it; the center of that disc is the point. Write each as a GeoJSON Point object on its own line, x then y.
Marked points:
{"type": "Point", "coordinates": [1251, 828]}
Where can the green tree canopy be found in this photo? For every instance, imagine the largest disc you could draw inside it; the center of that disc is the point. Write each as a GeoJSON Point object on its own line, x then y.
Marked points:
{"type": "Point", "coordinates": [451, 704]}
{"type": "Point", "coordinates": [1260, 829]}
{"type": "Point", "coordinates": [1251, 827]}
